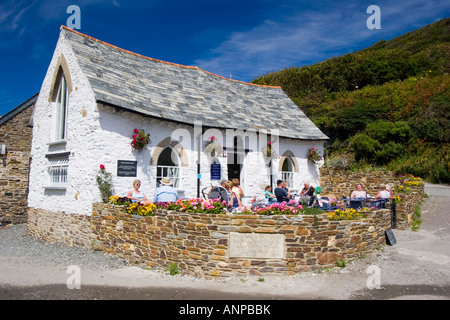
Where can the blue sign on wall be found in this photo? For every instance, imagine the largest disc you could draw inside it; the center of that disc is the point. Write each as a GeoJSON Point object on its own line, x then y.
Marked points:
{"type": "Point", "coordinates": [215, 171]}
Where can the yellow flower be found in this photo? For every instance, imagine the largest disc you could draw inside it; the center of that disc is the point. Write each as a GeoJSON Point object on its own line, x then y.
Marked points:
{"type": "Point", "coordinates": [113, 199]}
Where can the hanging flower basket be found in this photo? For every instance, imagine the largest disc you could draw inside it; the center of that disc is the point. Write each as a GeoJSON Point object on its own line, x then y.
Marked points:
{"type": "Point", "coordinates": [313, 155]}
{"type": "Point", "coordinates": [268, 152]}
{"type": "Point", "coordinates": [213, 149]}
{"type": "Point", "coordinates": [140, 139]}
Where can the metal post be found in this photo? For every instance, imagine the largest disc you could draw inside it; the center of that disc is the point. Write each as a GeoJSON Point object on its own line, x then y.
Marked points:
{"type": "Point", "coordinates": [198, 163]}
{"type": "Point", "coordinates": [394, 214]}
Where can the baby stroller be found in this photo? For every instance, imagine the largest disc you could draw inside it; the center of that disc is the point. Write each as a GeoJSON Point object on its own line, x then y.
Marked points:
{"type": "Point", "coordinates": [218, 193]}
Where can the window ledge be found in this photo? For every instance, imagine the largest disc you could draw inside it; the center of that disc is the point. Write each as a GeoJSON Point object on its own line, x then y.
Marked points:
{"type": "Point", "coordinates": [61, 188]}
{"type": "Point", "coordinates": [57, 143]}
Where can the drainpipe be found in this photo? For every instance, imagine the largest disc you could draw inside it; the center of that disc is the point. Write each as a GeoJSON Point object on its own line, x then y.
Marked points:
{"type": "Point", "coordinates": [199, 176]}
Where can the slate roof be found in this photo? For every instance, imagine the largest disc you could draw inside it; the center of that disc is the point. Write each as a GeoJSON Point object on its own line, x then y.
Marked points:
{"type": "Point", "coordinates": [185, 94]}
{"type": "Point", "coordinates": [12, 113]}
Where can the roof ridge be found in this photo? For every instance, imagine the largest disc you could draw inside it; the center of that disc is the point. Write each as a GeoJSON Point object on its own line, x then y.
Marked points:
{"type": "Point", "coordinates": [165, 62]}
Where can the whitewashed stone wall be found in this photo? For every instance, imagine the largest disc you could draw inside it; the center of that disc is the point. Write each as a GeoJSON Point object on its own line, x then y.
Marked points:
{"type": "Point", "coordinates": [98, 134]}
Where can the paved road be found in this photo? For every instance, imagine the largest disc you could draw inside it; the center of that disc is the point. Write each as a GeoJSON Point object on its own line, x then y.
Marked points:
{"type": "Point", "coordinates": [417, 267]}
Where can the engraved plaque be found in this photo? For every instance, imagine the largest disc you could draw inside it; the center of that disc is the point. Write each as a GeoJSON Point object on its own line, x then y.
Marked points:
{"type": "Point", "coordinates": [256, 245]}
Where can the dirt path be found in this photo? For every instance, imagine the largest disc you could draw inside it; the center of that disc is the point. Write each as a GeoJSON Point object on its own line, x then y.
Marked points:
{"type": "Point", "coordinates": [417, 267]}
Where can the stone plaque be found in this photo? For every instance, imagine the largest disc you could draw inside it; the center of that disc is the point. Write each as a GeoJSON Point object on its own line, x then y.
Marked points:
{"type": "Point", "coordinates": [256, 245]}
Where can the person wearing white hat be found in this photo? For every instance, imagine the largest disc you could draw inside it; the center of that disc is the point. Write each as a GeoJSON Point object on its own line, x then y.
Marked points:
{"type": "Point", "coordinates": [166, 193]}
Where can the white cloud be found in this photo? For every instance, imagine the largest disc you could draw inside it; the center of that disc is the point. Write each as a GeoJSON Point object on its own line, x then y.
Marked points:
{"type": "Point", "coordinates": [306, 37]}
{"type": "Point", "coordinates": [11, 13]}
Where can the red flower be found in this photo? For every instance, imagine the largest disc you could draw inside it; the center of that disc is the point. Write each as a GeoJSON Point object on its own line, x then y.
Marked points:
{"type": "Point", "coordinates": [136, 130]}
{"type": "Point", "coordinates": [102, 167]}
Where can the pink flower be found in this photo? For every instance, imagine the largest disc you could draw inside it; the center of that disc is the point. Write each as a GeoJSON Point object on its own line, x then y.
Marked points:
{"type": "Point", "coordinates": [136, 130]}
{"type": "Point", "coordinates": [102, 167]}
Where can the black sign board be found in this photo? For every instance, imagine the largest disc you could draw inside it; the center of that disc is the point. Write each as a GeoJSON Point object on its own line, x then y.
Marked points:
{"type": "Point", "coordinates": [215, 171]}
{"type": "Point", "coordinates": [126, 168]}
{"type": "Point", "coordinates": [390, 238]}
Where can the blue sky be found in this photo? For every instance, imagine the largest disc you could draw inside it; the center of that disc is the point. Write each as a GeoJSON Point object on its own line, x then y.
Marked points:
{"type": "Point", "coordinates": [238, 39]}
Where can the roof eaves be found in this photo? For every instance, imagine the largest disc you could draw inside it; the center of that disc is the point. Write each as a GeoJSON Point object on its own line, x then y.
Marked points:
{"type": "Point", "coordinates": [12, 113]}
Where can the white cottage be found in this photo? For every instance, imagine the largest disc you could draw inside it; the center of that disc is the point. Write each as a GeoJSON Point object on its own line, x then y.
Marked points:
{"type": "Point", "coordinates": [95, 95]}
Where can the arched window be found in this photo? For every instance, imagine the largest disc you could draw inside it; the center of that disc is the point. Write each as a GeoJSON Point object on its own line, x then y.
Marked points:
{"type": "Point", "coordinates": [60, 123]}
{"type": "Point", "coordinates": [287, 172]}
{"type": "Point", "coordinates": [168, 166]}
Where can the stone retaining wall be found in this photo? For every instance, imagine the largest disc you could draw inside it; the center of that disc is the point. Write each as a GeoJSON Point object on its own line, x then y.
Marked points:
{"type": "Point", "coordinates": [405, 209]}
{"type": "Point", "coordinates": [71, 229]}
{"type": "Point", "coordinates": [208, 246]}
{"type": "Point", "coordinates": [202, 245]}
{"type": "Point", "coordinates": [339, 183]}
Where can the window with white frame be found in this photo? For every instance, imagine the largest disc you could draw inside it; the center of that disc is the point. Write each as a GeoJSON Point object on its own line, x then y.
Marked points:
{"type": "Point", "coordinates": [167, 166]}
{"type": "Point", "coordinates": [61, 111]}
{"type": "Point", "coordinates": [57, 170]}
{"type": "Point", "coordinates": [287, 172]}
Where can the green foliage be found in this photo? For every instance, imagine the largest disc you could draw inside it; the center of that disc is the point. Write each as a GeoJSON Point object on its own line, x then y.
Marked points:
{"type": "Point", "coordinates": [104, 183]}
{"type": "Point", "coordinates": [388, 105]}
{"type": "Point", "coordinates": [381, 141]}
{"type": "Point", "coordinates": [173, 269]}
{"type": "Point", "coordinates": [341, 263]}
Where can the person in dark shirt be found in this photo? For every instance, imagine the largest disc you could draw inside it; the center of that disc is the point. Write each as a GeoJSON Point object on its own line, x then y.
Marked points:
{"type": "Point", "coordinates": [281, 192]}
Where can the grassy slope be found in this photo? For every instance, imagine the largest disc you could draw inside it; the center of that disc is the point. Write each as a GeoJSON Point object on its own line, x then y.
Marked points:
{"type": "Point", "coordinates": [387, 105]}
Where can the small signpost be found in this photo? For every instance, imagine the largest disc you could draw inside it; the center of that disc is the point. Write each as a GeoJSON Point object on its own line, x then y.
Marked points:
{"type": "Point", "coordinates": [215, 171]}
{"type": "Point", "coordinates": [126, 168]}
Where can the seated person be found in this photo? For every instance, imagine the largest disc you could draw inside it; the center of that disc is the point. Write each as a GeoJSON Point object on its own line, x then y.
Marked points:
{"type": "Point", "coordinates": [166, 193]}
{"type": "Point", "coordinates": [359, 193]}
{"type": "Point", "coordinates": [137, 196]}
{"type": "Point", "coordinates": [235, 202]}
{"type": "Point", "coordinates": [269, 195]}
{"type": "Point", "coordinates": [308, 192]}
{"type": "Point", "coordinates": [383, 193]}
{"type": "Point", "coordinates": [281, 192]}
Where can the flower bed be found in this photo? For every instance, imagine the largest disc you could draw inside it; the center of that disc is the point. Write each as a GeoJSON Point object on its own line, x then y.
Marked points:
{"type": "Point", "coordinates": [199, 205]}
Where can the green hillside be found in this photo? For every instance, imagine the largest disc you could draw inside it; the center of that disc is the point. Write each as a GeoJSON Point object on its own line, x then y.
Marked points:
{"type": "Point", "coordinates": [384, 106]}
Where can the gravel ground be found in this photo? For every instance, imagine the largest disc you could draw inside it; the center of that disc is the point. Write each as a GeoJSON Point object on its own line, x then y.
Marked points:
{"type": "Point", "coordinates": [15, 243]}
{"type": "Point", "coordinates": [417, 267]}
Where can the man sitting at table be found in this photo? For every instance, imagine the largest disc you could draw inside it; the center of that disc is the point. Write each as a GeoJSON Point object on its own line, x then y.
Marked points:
{"type": "Point", "coordinates": [282, 193]}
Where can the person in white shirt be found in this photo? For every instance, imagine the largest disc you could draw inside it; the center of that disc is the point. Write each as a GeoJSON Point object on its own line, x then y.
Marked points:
{"type": "Point", "coordinates": [166, 193]}
{"type": "Point", "coordinates": [358, 193]}
{"type": "Point", "coordinates": [383, 193]}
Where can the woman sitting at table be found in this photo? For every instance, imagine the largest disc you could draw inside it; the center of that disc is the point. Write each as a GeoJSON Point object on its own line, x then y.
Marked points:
{"type": "Point", "coordinates": [136, 195]}
{"type": "Point", "coordinates": [383, 193]}
{"type": "Point", "coordinates": [359, 193]}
